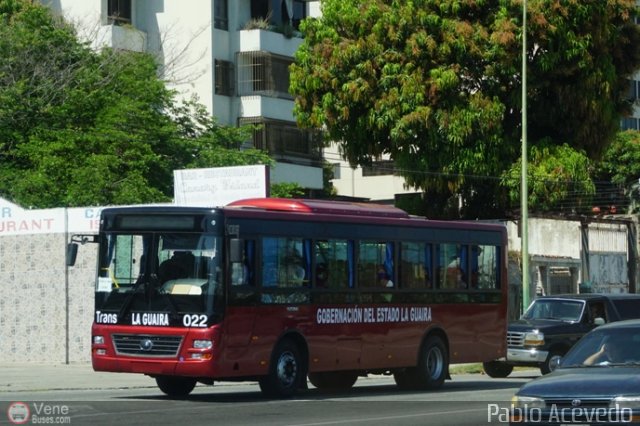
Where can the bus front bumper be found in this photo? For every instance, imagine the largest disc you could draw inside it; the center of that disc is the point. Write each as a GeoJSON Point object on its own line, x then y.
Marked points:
{"type": "Point", "coordinates": [155, 367]}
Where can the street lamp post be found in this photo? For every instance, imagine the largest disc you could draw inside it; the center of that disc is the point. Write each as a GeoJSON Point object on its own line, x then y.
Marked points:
{"type": "Point", "coordinates": [524, 191]}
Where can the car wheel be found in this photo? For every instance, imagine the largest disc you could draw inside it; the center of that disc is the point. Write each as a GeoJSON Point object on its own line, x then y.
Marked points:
{"type": "Point", "coordinates": [551, 362]}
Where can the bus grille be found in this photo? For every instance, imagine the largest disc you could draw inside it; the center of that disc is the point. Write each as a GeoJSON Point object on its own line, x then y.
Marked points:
{"type": "Point", "coordinates": [147, 345]}
{"type": "Point", "coordinates": [515, 339]}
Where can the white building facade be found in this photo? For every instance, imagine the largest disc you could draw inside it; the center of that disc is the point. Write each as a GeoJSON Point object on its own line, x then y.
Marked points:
{"type": "Point", "coordinates": [232, 54]}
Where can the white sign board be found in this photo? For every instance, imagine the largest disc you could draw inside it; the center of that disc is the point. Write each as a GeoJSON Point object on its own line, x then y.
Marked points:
{"type": "Point", "coordinates": [219, 186]}
{"type": "Point", "coordinates": [15, 220]}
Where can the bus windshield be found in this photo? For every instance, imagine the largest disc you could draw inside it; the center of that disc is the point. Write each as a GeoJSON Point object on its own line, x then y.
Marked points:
{"type": "Point", "coordinates": [175, 273]}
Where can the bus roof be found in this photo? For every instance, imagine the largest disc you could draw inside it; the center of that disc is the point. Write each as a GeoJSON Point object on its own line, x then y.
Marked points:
{"type": "Point", "coordinates": [320, 207]}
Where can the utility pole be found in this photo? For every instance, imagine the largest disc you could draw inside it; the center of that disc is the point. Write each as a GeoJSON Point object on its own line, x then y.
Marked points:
{"type": "Point", "coordinates": [524, 190]}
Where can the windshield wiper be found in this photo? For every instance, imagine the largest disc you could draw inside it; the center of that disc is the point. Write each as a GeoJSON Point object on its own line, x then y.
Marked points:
{"type": "Point", "coordinates": [127, 302]}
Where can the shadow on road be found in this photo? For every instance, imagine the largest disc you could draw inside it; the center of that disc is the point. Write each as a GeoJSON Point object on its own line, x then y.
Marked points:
{"type": "Point", "coordinates": [457, 384]}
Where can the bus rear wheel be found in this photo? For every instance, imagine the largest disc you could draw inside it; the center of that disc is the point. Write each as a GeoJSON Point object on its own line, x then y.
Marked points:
{"type": "Point", "coordinates": [285, 371]}
{"type": "Point", "coordinates": [176, 387]}
{"type": "Point", "coordinates": [497, 369]}
{"type": "Point", "coordinates": [433, 364]}
{"type": "Point", "coordinates": [333, 380]}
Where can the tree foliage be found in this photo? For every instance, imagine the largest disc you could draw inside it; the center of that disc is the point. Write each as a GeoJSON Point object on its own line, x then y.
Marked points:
{"type": "Point", "coordinates": [436, 85]}
{"type": "Point", "coordinates": [79, 127]}
{"type": "Point", "coordinates": [620, 165]}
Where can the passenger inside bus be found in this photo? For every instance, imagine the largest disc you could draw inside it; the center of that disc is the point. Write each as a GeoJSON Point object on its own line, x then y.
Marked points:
{"type": "Point", "coordinates": [180, 265]}
{"type": "Point", "coordinates": [383, 277]}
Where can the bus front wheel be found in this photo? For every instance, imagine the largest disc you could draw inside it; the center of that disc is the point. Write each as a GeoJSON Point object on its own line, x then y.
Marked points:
{"type": "Point", "coordinates": [176, 387]}
{"type": "Point", "coordinates": [285, 371]}
{"type": "Point", "coordinates": [433, 364]}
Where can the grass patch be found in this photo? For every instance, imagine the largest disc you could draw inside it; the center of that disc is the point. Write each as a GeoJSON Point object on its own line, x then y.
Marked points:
{"type": "Point", "coordinates": [475, 368]}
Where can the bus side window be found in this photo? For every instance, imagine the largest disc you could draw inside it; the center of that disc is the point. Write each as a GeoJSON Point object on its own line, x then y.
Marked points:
{"type": "Point", "coordinates": [332, 270]}
{"type": "Point", "coordinates": [375, 264]}
{"type": "Point", "coordinates": [242, 272]}
{"type": "Point", "coordinates": [415, 265]}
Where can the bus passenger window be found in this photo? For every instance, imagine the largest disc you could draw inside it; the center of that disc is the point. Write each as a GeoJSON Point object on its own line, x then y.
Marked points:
{"type": "Point", "coordinates": [286, 262]}
{"type": "Point", "coordinates": [375, 264]}
{"type": "Point", "coordinates": [452, 271]}
{"type": "Point", "coordinates": [485, 269]}
{"type": "Point", "coordinates": [332, 259]}
{"type": "Point", "coordinates": [415, 266]}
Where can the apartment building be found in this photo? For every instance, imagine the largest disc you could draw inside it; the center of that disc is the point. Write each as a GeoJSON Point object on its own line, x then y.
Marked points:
{"type": "Point", "coordinates": [232, 54]}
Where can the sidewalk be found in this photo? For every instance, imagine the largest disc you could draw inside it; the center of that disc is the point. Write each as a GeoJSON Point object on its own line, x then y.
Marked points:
{"type": "Point", "coordinates": [21, 377]}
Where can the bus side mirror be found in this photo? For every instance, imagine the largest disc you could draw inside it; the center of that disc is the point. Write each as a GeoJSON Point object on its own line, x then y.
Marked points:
{"type": "Point", "coordinates": [72, 253]}
{"type": "Point", "coordinates": [235, 250]}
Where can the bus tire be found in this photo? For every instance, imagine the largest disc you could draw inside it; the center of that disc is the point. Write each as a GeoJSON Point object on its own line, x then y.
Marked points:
{"type": "Point", "coordinates": [176, 387]}
{"type": "Point", "coordinates": [497, 369]}
{"type": "Point", "coordinates": [285, 371]}
{"type": "Point", "coordinates": [333, 380]}
{"type": "Point", "coordinates": [433, 364]}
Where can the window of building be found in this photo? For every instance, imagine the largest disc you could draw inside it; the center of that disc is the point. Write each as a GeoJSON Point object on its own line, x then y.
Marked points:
{"type": "Point", "coordinates": [629, 123]}
{"type": "Point", "coordinates": [262, 73]}
{"type": "Point", "coordinates": [119, 12]}
{"type": "Point", "coordinates": [284, 140]}
{"type": "Point", "coordinates": [379, 168]}
{"type": "Point", "coordinates": [221, 14]}
{"type": "Point", "coordinates": [633, 93]}
{"type": "Point", "coordinates": [224, 78]}
{"type": "Point", "coordinates": [280, 12]}
{"type": "Point", "coordinates": [337, 173]}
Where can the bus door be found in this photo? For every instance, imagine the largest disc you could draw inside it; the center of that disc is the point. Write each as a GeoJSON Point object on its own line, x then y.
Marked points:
{"type": "Point", "coordinates": [241, 312]}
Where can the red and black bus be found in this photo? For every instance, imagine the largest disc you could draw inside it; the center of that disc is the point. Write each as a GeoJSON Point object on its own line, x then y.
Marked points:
{"type": "Point", "coordinates": [278, 290]}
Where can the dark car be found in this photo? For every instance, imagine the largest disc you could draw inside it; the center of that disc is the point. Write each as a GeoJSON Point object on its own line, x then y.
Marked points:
{"type": "Point", "coordinates": [597, 382]}
{"type": "Point", "coordinates": [553, 324]}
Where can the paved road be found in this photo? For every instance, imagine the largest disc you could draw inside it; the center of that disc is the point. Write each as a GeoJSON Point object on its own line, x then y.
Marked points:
{"type": "Point", "coordinates": [76, 395]}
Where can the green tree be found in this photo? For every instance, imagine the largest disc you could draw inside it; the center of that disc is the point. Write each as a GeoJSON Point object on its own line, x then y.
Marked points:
{"type": "Point", "coordinates": [620, 165]}
{"type": "Point", "coordinates": [79, 127]}
{"type": "Point", "coordinates": [436, 85]}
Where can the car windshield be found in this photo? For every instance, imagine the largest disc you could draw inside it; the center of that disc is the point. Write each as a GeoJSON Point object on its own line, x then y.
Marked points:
{"type": "Point", "coordinates": [555, 309]}
{"type": "Point", "coordinates": [605, 347]}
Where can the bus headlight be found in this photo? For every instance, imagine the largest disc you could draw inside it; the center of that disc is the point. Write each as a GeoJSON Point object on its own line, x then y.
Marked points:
{"type": "Point", "coordinates": [202, 344]}
{"type": "Point", "coordinates": [98, 340]}
{"type": "Point", "coordinates": [535, 338]}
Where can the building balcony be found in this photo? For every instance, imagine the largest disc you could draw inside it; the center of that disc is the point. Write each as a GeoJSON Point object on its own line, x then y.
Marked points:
{"type": "Point", "coordinates": [122, 37]}
{"type": "Point", "coordinates": [268, 41]}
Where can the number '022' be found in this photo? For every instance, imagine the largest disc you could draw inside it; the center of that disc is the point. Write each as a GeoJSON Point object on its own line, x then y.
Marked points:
{"type": "Point", "coordinates": [194, 320]}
